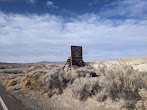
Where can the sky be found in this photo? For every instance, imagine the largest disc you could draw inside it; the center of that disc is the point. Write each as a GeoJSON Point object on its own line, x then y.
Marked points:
{"type": "Point", "coordinates": [42, 30]}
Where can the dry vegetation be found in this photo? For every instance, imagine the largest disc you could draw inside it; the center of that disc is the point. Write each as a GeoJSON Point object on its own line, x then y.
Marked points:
{"type": "Point", "coordinates": [11, 71]}
{"type": "Point", "coordinates": [102, 84]}
{"type": "Point", "coordinates": [5, 66]}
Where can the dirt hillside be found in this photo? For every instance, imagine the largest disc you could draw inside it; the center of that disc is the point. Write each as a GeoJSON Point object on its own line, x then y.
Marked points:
{"type": "Point", "coordinates": [139, 64]}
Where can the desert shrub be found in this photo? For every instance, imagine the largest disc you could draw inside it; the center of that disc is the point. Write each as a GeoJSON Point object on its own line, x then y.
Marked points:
{"type": "Point", "coordinates": [12, 82]}
{"type": "Point", "coordinates": [14, 88]}
{"type": "Point", "coordinates": [54, 82]}
{"type": "Point", "coordinates": [48, 80]}
{"type": "Point", "coordinates": [115, 81]}
{"type": "Point", "coordinates": [35, 67]}
{"type": "Point", "coordinates": [101, 96]}
{"type": "Point", "coordinates": [52, 79]}
{"type": "Point", "coordinates": [129, 104]}
{"type": "Point", "coordinates": [122, 82]}
{"type": "Point", "coordinates": [5, 67]}
{"type": "Point", "coordinates": [12, 71]}
{"type": "Point", "coordinates": [33, 80]}
{"type": "Point", "coordinates": [41, 67]}
{"type": "Point", "coordinates": [84, 88]}
{"type": "Point", "coordinates": [142, 104]}
{"type": "Point", "coordinates": [85, 71]}
{"type": "Point", "coordinates": [75, 73]}
{"type": "Point", "coordinates": [35, 83]}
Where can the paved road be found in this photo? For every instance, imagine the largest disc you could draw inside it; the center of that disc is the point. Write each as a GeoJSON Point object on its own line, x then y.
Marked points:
{"type": "Point", "coordinates": [10, 102]}
{"type": "Point", "coordinates": [1, 108]}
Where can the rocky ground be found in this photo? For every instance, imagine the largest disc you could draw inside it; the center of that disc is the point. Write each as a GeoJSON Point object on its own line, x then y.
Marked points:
{"type": "Point", "coordinates": [111, 85]}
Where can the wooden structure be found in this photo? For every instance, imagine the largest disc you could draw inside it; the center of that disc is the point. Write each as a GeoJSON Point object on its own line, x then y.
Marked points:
{"type": "Point", "coordinates": [76, 57]}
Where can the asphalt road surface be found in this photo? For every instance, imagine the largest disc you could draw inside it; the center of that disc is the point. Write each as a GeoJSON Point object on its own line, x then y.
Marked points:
{"type": "Point", "coordinates": [8, 102]}
{"type": "Point", "coordinates": [1, 108]}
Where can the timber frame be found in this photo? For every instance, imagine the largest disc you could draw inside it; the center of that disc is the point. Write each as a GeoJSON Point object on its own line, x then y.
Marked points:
{"type": "Point", "coordinates": [76, 57]}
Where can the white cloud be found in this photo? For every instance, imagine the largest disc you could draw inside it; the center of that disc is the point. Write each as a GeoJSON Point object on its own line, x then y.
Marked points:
{"type": "Point", "coordinates": [50, 4]}
{"type": "Point", "coordinates": [129, 8]}
{"type": "Point", "coordinates": [30, 38]}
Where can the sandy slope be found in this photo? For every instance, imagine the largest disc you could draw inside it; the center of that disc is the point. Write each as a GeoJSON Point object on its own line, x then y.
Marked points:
{"type": "Point", "coordinates": [139, 64]}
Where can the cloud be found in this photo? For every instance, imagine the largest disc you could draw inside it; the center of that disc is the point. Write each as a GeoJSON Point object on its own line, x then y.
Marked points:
{"type": "Point", "coordinates": [127, 8]}
{"type": "Point", "coordinates": [50, 4]}
{"type": "Point", "coordinates": [32, 37]}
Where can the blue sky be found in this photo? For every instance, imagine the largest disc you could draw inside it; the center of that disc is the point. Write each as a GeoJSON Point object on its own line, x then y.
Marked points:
{"type": "Point", "coordinates": [54, 6]}
{"type": "Point", "coordinates": [42, 30]}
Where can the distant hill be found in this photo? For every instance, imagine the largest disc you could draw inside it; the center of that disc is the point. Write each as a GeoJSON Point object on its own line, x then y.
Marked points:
{"type": "Point", "coordinates": [41, 62]}
{"type": "Point", "coordinates": [48, 62]}
{"type": "Point", "coordinates": [4, 63]}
